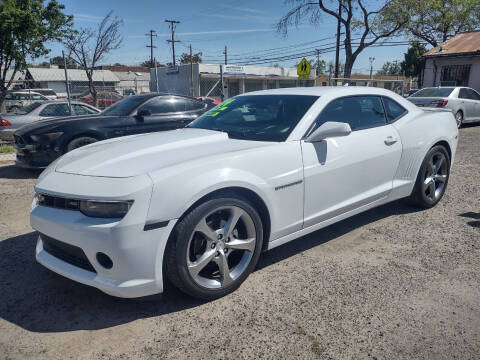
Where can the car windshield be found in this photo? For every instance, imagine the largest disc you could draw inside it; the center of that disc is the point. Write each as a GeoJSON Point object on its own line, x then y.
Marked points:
{"type": "Point", "coordinates": [434, 92]}
{"type": "Point", "coordinates": [257, 117]}
{"type": "Point", "coordinates": [125, 107]}
{"type": "Point", "coordinates": [27, 109]}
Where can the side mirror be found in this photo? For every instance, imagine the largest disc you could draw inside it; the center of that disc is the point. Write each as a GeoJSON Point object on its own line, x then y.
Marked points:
{"type": "Point", "coordinates": [143, 113]}
{"type": "Point", "coordinates": [328, 130]}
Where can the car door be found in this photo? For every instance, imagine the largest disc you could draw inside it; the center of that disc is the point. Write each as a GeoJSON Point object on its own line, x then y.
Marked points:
{"type": "Point", "coordinates": [344, 173]}
{"type": "Point", "coordinates": [165, 113]}
{"type": "Point", "coordinates": [475, 100]}
{"type": "Point", "coordinates": [467, 104]}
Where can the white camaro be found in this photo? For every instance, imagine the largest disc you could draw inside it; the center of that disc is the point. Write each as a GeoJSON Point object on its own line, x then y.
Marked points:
{"type": "Point", "coordinates": [198, 205]}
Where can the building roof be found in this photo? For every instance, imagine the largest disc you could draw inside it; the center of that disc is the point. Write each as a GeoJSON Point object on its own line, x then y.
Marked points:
{"type": "Point", "coordinates": [115, 68]}
{"type": "Point", "coordinates": [49, 74]}
{"type": "Point", "coordinates": [465, 43]}
{"type": "Point", "coordinates": [362, 77]}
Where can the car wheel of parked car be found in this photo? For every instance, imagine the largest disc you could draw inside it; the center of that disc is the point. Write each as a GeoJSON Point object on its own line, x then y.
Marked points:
{"type": "Point", "coordinates": [459, 118]}
{"type": "Point", "coordinates": [80, 141]}
{"type": "Point", "coordinates": [214, 247]}
{"type": "Point", "coordinates": [432, 179]}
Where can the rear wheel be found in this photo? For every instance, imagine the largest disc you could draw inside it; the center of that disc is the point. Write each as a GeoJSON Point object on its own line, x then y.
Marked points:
{"type": "Point", "coordinates": [432, 179]}
{"type": "Point", "coordinates": [214, 247]}
{"type": "Point", "coordinates": [80, 141]}
{"type": "Point", "coordinates": [459, 118]}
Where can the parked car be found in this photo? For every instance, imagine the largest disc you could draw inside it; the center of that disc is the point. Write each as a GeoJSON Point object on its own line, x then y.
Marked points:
{"type": "Point", "coordinates": [41, 142]}
{"type": "Point", "coordinates": [199, 205]}
{"type": "Point", "coordinates": [410, 93]}
{"type": "Point", "coordinates": [104, 98]}
{"type": "Point", "coordinates": [48, 93]}
{"type": "Point", "coordinates": [463, 101]}
{"type": "Point", "coordinates": [18, 99]}
{"type": "Point", "coordinates": [9, 123]}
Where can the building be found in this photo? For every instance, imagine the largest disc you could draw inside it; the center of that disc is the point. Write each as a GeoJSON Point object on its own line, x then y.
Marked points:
{"type": "Point", "coordinates": [205, 79]}
{"type": "Point", "coordinates": [133, 79]}
{"type": "Point", "coordinates": [455, 62]}
{"type": "Point", "coordinates": [54, 78]}
{"type": "Point", "coordinates": [395, 83]}
{"type": "Point", "coordinates": [17, 82]}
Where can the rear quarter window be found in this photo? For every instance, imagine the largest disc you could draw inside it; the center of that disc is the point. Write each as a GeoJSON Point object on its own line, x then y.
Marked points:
{"type": "Point", "coordinates": [394, 110]}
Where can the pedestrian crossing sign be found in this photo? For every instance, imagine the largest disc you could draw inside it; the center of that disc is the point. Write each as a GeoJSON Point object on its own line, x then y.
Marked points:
{"type": "Point", "coordinates": [303, 69]}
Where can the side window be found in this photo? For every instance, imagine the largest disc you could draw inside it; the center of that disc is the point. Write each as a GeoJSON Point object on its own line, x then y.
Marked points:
{"type": "Point", "coordinates": [472, 94]}
{"type": "Point", "coordinates": [393, 109]}
{"type": "Point", "coordinates": [24, 96]}
{"type": "Point", "coordinates": [360, 112]}
{"type": "Point", "coordinates": [462, 94]}
{"type": "Point", "coordinates": [55, 110]}
{"type": "Point", "coordinates": [82, 109]}
{"type": "Point", "coordinates": [9, 96]}
{"type": "Point", "coordinates": [182, 104]}
{"type": "Point", "coordinates": [37, 97]}
{"type": "Point", "coordinates": [159, 105]}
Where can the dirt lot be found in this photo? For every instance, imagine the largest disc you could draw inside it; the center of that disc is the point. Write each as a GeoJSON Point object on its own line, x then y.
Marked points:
{"type": "Point", "coordinates": [392, 283]}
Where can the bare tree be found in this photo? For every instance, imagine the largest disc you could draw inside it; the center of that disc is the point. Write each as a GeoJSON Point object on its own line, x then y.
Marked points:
{"type": "Point", "coordinates": [89, 46]}
{"type": "Point", "coordinates": [371, 24]}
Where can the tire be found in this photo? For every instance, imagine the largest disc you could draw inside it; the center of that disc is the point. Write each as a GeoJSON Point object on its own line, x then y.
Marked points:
{"type": "Point", "coordinates": [79, 142]}
{"type": "Point", "coordinates": [459, 118]}
{"type": "Point", "coordinates": [204, 234]}
{"type": "Point", "coordinates": [432, 178]}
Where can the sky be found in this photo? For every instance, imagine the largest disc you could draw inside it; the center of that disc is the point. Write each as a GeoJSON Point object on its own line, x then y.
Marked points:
{"type": "Point", "coordinates": [246, 27]}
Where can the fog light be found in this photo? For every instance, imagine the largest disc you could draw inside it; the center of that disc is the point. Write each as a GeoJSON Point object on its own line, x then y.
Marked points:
{"type": "Point", "coordinates": [104, 260]}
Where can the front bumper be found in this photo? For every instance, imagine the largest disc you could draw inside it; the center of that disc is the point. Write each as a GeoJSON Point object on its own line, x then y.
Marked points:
{"type": "Point", "coordinates": [34, 156]}
{"type": "Point", "coordinates": [137, 255]}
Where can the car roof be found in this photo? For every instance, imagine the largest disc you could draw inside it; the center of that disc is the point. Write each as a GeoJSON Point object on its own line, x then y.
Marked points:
{"type": "Point", "coordinates": [25, 92]}
{"type": "Point", "coordinates": [322, 90]}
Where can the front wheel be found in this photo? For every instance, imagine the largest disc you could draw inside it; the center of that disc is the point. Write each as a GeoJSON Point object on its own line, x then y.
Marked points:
{"type": "Point", "coordinates": [214, 247]}
{"type": "Point", "coordinates": [432, 179]}
{"type": "Point", "coordinates": [80, 141]}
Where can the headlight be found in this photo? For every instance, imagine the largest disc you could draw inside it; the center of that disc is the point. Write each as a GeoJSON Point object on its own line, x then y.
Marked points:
{"type": "Point", "coordinates": [105, 209]}
{"type": "Point", "coordinates": [46, 137]}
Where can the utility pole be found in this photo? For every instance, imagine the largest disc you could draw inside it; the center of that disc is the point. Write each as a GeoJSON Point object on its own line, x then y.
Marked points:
{"type": "Point", "coordinates": [318, 60]}
{"type": "Point", "coordinates": [152, 34]}
{"type": "Point", "coordinates": [225, 53]}
{"type": "Point", "coordinates": [191, 71]}
{"type": "Point", "coordinates": [173, 41]}
{"type": "Point", "coordinates": [337, 50]}
{"type": "Point", "coordinates": [371, 59]}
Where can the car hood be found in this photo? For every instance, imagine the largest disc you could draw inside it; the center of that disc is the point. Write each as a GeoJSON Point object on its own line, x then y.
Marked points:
{"type": "Point", "coordinates": [141, 154]}
{"type": "Point", "coordinates": [37, 125]}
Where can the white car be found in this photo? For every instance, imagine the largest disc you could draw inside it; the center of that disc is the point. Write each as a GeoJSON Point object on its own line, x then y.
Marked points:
{"type": "Point", "coordinates": [462, 101]}
{"type": "Point", "coordinates": [199, 205]}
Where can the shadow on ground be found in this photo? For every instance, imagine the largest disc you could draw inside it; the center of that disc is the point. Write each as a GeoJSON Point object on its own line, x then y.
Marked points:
{"type": "Point", "coordinates": [39, 300]}
{"type": "Point", "coordinates": [472, 215]}
{"type": "Point", "coordinates": [15, 172]}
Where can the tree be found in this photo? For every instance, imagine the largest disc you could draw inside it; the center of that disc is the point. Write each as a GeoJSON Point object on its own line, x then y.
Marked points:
{"type": "Point", "coordinates": [196, 58]}
{"type": "Point", "coordinates": [355, 16]}
{"type": "Point", "coordinates": [25, 27]}
{"type": "Point", "coordinates": [414, 61]}
{"type": "Point", "coordinates": [331, 65]}
{"type": "Point", "coordinates": [89, 46]}
{"type": "Point", "coordinates": [390, 68]}
{"type": "Point", "coordinates": [58, 60]}
{"type": "Point", "coordinates": [434, 21]}
{"type": "Point", "coordinates": [147, 64]}
{"type": "Point", "coordinates": [320, 66]}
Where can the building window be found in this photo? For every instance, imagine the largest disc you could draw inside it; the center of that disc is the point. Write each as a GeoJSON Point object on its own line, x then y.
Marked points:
{"type": "Point", "coordinates": [324, 83]}
{"type": "Point", "coordinates": [455, 75]}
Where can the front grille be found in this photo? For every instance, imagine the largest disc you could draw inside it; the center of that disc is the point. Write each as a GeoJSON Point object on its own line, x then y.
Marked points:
{"type": "Point", "coordinates": [68, 253]}
{"type": "Point", "coordinates": [58, 202]}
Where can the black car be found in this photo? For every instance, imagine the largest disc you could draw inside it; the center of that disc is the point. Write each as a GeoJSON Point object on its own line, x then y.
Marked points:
{"type": "Point", "coordinates": [41, 142]}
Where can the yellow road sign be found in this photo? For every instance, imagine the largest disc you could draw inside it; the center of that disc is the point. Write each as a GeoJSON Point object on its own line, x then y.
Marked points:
{"type": "Point", "coordinates": [303, 68]}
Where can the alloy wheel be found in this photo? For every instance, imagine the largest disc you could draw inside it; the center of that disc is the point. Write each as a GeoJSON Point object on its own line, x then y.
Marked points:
{"type": "Point", "coordinates": [221, 247]}
{"type": "Point", "coordinates": [436, 174]}
{"type": "Point", "coordinates": [459, 118]}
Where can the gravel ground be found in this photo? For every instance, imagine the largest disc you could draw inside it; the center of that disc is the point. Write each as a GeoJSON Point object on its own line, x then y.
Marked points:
{"type": "Point", "coordinates": [392, 283]}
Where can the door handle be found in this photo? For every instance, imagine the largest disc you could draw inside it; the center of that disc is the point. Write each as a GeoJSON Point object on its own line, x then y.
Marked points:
{"type": "Point", "coordinates": [390, 140]}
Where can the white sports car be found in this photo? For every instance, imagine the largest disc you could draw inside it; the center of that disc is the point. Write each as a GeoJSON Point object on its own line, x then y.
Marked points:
{"type": "Point", "coordinates": [199, 205]}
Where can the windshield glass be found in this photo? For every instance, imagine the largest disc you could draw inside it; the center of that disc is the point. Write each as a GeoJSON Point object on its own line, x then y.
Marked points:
{"type": "Point", "coordinates": [433, 92]}
{"type": "Point", "coordinates": [27, 109]}
{"type": "Point", "coordinates": [257, 117]}
{"type": "Point", "coordinates": [126, 106]}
